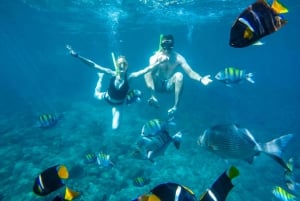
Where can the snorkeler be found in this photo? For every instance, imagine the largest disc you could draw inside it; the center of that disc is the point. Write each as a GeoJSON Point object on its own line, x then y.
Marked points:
{"type": "Point", "coordinates": [118, 91]}
{"type": "Point", "coordinates": [165, 77]}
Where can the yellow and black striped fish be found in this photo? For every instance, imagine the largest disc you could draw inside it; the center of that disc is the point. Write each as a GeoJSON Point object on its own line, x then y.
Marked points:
{"type": "Point", "coordinates": [282, 194]}
{"type": "Point", "coordinates": [48, 120]}
{"type": "Point", "coordinates": [141, 181]}
{"type": "Point", "coordinates": [90, 158]}
{"type": "Point", "coordinates": [232, 75]}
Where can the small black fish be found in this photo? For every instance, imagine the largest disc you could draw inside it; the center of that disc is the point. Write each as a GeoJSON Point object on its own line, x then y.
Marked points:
{"type": "Point", "coordinates": [258, 20]}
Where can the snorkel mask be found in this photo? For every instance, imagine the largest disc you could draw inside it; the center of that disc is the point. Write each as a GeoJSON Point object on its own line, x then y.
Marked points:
{"type": "Point", "coordinates": [122, 64]}
{"type": "Point", "coordinates": [167, 42]}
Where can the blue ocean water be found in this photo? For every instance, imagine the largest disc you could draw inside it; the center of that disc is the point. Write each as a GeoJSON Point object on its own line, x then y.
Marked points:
{"type": "Point", "coordinates": [39, 76]}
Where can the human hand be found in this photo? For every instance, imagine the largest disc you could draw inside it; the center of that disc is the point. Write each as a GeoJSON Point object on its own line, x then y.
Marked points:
{"type": "Point", "coordinates": [205, 80]}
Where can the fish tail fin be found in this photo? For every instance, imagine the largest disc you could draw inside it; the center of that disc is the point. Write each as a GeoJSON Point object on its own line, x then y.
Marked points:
{"type": "Point", "coordinates": [279, 7]}
{"type": "Point", "coordinates": [249, 78]}
{"type": "Point", "coordinates": [275, 147]}
{"type": "Point", "coordinates": [177, 139]}
{"type": "Point", "coordinates": [70, 194]}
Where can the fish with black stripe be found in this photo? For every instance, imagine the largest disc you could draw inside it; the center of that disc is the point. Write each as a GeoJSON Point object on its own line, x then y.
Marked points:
{"type": "Point", "coordinates": [282, 194]}
{"type": "Point", "coordinates": [258, 20]}
{"type": "Point", "coordinates": [232, 75]}
{"type": "Point", "coordinates": [48, 120]}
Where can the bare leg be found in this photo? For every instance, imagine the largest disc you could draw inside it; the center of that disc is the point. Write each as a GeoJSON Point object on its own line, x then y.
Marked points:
{"type": "Point", "coordinates": [150, 84]}
{"type": "Point", "coordinates": [98, 94]}
{"type": "Point", "coordinates": [177, 81]}
{"type": "Point", "coordinates": [115, 118]}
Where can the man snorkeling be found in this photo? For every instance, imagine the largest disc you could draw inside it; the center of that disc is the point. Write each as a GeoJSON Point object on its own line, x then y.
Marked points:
{"type": "Point", "coordinates": [118, 90]}
{"type": "Point", "coordinates": [165, 77]}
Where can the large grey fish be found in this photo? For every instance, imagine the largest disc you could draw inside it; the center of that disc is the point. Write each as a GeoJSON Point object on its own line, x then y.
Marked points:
{"type": "Point", "coordinates": [232, 141]}
{"type": "Point", "coordinates": [152, 146]}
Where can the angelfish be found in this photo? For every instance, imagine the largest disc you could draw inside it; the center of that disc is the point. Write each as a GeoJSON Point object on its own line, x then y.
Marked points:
{"type": "Point", "coordinates": [258, 20]}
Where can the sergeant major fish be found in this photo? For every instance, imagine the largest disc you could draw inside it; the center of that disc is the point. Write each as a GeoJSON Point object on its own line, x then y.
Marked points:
{"type": "Point", "coordinates": [283, 195]}
{"type": "Point", "coordinates": [292, 178]}
{"type": "Point", "coordinates": [48, 120]}
{"type": "Point", "coordinates": [233, 75]}
{"type": "Point", "coordinates": [152, 146]}
{"type": "Point", "coordinates": [103, 160]}
{"type": "Point", "coordinates": [154, 126]}
{"type": "Point", "coordinates": [133, 96]}
{"type": "Point", "coordinates": [232, 141]}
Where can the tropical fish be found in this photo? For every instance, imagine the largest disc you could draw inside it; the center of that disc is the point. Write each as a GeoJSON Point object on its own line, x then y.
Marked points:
{"type": "Point", "coordinates": [177, 192]}
{"type": "Point", "coordinates": [155, 126]}
{"type": "Point", "coordinates": [282, 194]}
{"type": "Point", "coordinates": [233, 75]}
{"type": "Point", "coordinates": [258, 20]}
{"type": "Point", "coordinates": [152, 146]}
{"type": "Point", "coordinates": [232, 141]}
{"type": "Point", "coordinates": [51, 180]}
{"type": "Point", "coordinates": [90, 158]}
{"type": "Point", "coordinates": [48, 120]}
{"type": "Point", "coordinates": [133, 96]}
{"type": "Point", "coordinates": [141, 181]}
{"type": "Point", "coordinates": [69, 195]}
{"type": "Point", "coordinates": [221, 187]}
{"type": "Point", "coordinates": [103, 160]}
{"type": "Point", "coordinates": [292, 178]}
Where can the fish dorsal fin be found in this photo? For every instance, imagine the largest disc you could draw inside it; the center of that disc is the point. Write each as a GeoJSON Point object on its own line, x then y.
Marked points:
{"type": "Point", "coordinates": [70, 194]}
{"type": "Point", "coordinates": [278, 7]}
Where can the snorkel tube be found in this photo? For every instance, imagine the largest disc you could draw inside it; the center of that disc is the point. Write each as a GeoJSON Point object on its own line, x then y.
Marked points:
{"type": "Point", "coordinates": [115, 64]}
{"type": "Point", "coordinates": [160, 39]}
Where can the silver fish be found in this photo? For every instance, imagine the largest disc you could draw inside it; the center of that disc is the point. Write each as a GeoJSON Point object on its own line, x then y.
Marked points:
{"type": "Point", "coordinates": [232, 141]}
{"type": "Point", "coordinates": [152, 146]}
